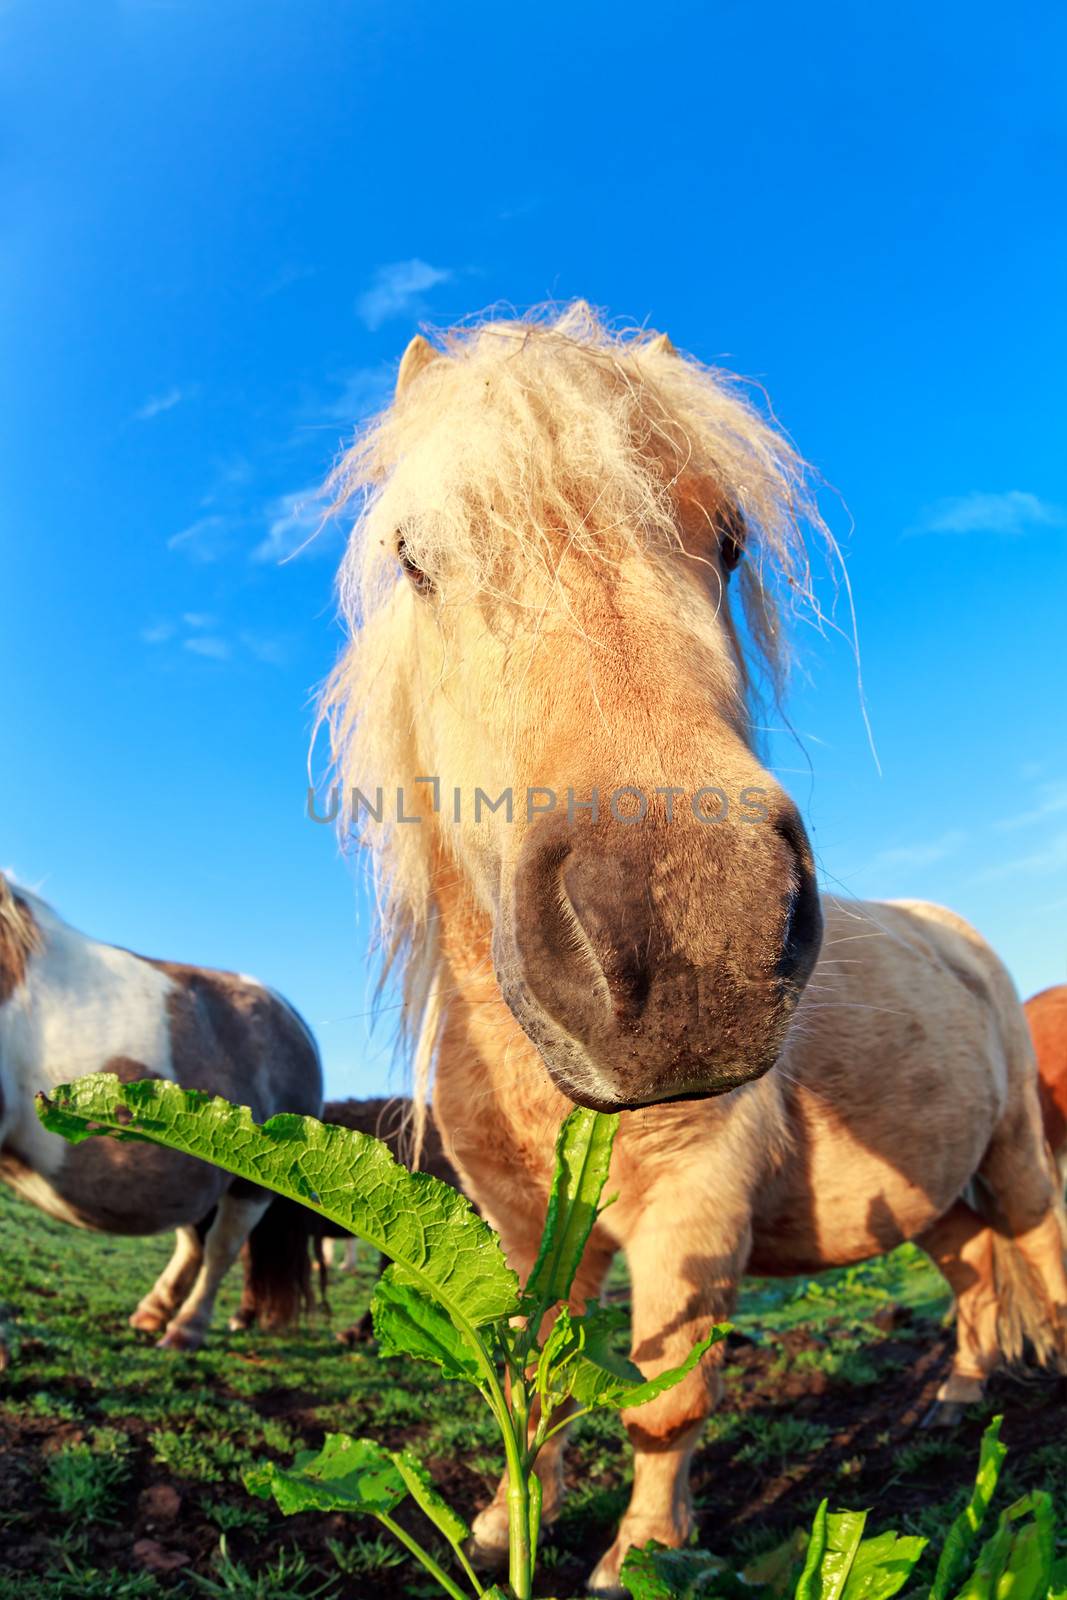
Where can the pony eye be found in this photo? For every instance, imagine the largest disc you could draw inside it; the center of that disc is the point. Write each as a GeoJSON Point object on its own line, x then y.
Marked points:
{"type": "Point", "coordinates": [418, 579]}
{"type": "Point", "coordinates": [731, 540]}
{"type": "Point", "coordinates": [730, 552]}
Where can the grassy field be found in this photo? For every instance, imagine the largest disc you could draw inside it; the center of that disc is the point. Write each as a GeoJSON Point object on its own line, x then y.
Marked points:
{"type": "Point", "coordinates": [120, 1464]}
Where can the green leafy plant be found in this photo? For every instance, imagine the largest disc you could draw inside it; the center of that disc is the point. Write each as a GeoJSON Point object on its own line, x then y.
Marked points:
{"type": "Point", "coordinates": [287, 1578]}
{"type": "Point", "coordinates": [834, 1561]}
{"type": "Point", "coordinates": [448, 1298]}
{"type": "Point", "coordinates": [81, 1482]}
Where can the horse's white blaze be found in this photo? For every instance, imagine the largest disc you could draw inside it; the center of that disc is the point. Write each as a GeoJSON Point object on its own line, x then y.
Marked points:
{"type": "Point", "coordinates": [83, 1004]}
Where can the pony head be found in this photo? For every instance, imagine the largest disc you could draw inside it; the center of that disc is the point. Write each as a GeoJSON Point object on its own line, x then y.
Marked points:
{"type": "Point", "coordinates": [564, 533]}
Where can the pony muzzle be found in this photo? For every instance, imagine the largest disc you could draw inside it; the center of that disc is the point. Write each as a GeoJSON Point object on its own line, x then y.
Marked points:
{"type": "Point", "coordinates": [651, 964]}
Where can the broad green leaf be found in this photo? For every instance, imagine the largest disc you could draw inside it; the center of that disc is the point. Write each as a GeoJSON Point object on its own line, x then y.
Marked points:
{"type": "Point", "coordinates": [345, 1475]}
{"type": "Point", "coordinates": [1027, 1570]}
{"type": "Point", "coordinates": [347, 1176]}
{"type": "Point", "coordinates": [583, 1153]}
{"type": "Point", "coordinates": [421, 1488]}
{"type": "Point", "coordinates": [882, 1566]}
{"type": "Point", "coordinates": [850, 1567]}
{"type": "Point", "coordinates": [589, 1337]}
{"type": "Point", "coordinates": [1057, 1586]}
{"type": "Point", "coordinates": [408, 1322]}
{"type": "Point", "coordinates": [962, 1534]}
{"type": "Point", "coordinates": [1029, 1566]}
{"type": "Point", "coordinates": [982, 1584]}
{"type": "Point", "coordinates": [579, 1359]}
{"type": "Point", "coordinates": [844, 1533]}
{"type": "Point", "coordinates": [655, 1573]}
{"type": "Point", "coordinates": [600, 1376]}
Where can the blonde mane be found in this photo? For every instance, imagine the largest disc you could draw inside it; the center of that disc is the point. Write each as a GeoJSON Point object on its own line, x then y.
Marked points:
{"type": "Point", "coordinates": [20, 936]}
{"type": "Point", "coordinates": [547, 432]}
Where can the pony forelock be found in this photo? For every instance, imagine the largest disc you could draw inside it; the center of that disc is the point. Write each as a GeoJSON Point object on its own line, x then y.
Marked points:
{"type": "Point", "coordinates": [525, 436]}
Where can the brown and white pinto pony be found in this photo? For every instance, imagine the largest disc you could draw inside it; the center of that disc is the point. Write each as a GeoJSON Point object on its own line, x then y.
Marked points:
{"type": "Point", "coordinates": [70, 1005]}
{"type": "Point", "coordinates": [542, 588]}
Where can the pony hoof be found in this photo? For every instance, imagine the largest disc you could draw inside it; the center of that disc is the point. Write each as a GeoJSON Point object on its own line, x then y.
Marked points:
{"type": "Point", "coordinates": [180, 1339]}
{"type": "Point", "coordinates": [944, 1414]}
{"type": "Point", "coordinates": [487, 1547]}
{"type": "Point", "coordinates": [361, 1332]}
{"type": "Point", "coordinates": [603, 1581]}
{"type": "Point", "coordinates": [954, 1396]}
{"type": "Point", "coordinates": [148, 1321]}
{"type": "Point", "coordinates": [240, 1324]}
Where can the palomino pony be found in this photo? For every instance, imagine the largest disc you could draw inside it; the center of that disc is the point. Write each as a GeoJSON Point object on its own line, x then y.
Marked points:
{"type": "Point", "coordinates": [598, 894]}
{"type": "Point", "coordinates": [70, 1005]}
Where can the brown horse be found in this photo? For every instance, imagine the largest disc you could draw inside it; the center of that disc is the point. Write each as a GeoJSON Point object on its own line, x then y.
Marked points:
{"type": "Point", "coordinates": [1046, 1014]}
{"type": "Point", "coordinates": [71, 1005]}
{"type": "Point", "coordinates": [597, 893]}
{"type": "Point", "coordinates": [388, 1119]}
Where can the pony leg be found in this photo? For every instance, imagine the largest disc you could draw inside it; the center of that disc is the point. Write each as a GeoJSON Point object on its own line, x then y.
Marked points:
{"type": "Point", "coordinates": [237, 1214]}
{"type": "Point", "coordinates": [684, 1274]}
{"type": "Point", "coordinates": [1029, 1233]}
{"type": "Point", "coordinates": [960, 1244]}
{"type": "Point", "coordinates": [327, 1251]}
{"type": "Point", "coordinates": [351, 1256]}
{"type": "Point", "coordinates": [247, 1312]}
{"type": "Point", "coordinates": [172, 1285]}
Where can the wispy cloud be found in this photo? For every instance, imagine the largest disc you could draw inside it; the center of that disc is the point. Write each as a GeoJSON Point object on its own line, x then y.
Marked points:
{"type": "Point", "coordinates": [157, 633]}
{"type": "Point", "coordinates": [202, 634]}
{"type": "Point", "coordinates": [159, 403]}
{"type": "Point", "coordinates": [287, 274]}
{"type": "Point", "coordinates": [208, 644]}
{"type": "Point", "coordinates": [206, 539]}
{"type": "Point", "coordinates": [294, 520]}
{"type": "Point", "coordinates": [398, 290]}
{"type": "Point", "coordinates": [1011, 514]}
{"type": "Point", "coordinates": [362, 392]}
{"type": "Point", "coordinates": [265, 647]}
{"type": "Point", "coordinates": [923, 853]}
{"type": "Point", "coordinates": [520, 208]}
{"type": "Point", "coordinates": [1050, 858]}
{"type": "Point", "coordinates": [1050, 800]}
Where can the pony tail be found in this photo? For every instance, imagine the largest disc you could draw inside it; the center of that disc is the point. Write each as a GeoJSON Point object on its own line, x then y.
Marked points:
{"type": "Point", "coordinates": [279, 1267]}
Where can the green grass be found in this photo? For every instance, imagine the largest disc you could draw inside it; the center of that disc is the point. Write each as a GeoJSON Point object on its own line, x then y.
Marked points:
{"type": "Point", "coordinates": [92, 1416]}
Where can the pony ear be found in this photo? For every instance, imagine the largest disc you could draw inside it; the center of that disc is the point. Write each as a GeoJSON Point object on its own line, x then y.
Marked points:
{"type": "Point", "coordinates": [659, 345]}
{"type": "Point", "coordinates": [416, 358]}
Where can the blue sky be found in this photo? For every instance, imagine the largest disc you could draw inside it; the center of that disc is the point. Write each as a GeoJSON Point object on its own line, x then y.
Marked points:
{"type": "Point", "coordinates": [223, 222]}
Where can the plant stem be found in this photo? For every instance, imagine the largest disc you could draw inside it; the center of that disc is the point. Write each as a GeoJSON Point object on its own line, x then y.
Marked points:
{"type": "Point", "coordinates": [520, 1552]}
{"type": "Point", "coordinates": [424, 1556]}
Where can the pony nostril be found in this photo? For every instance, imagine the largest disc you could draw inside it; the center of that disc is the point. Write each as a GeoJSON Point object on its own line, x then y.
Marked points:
{"type": "Point", "coordinates": [610, 924]}
{"type": "Point", "coordinates": [802, 927]}
{"type": "Point", "coordinates": [628, 982]}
